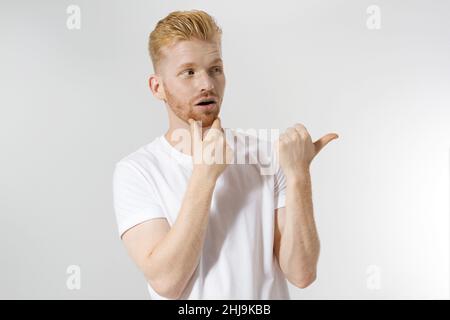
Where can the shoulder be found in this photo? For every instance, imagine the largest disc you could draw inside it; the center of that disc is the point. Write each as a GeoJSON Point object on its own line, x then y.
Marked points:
{"type": "Point", "coordinates": [146, 156]}
{"type": "Point", "coordinates": [144, 164]}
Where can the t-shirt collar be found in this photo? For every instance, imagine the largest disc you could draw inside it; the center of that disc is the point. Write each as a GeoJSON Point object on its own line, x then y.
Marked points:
{"type": "Point", "coordinates": [186, 160]}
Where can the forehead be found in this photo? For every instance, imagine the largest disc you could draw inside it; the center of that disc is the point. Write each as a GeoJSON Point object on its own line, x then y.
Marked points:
{"type": "Point", "coordinates": [191, 51]}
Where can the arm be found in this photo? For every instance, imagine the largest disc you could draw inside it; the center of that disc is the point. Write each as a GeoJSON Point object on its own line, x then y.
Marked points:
{"type": "Point", "coordinates": [296, 241]}
{"type": "Point", "coordinates": [168, 256]}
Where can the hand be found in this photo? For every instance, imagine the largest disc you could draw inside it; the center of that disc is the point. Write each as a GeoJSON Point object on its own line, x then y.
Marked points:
{"type": "Point", "coordinates": [296, 149]}
{"type": "Point", "coordinates": [211, 155]}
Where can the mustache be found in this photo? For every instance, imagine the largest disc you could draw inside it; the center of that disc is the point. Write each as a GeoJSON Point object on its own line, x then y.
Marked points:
{"type": "Point", "coordinates": [205, 95]}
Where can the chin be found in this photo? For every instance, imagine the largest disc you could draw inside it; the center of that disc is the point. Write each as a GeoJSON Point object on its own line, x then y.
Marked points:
{"type": "Point", "coordinates": [206, 119]}
{"type": "Point", "coordinates": [209, 121]}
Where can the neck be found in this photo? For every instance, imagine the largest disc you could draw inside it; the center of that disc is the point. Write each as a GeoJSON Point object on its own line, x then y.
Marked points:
{"type": "Point", "coordinates": [175, 123]}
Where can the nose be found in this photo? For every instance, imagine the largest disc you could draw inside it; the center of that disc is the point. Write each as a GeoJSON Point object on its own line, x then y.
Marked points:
{"type": "Point", "coordinates": [206, 82]}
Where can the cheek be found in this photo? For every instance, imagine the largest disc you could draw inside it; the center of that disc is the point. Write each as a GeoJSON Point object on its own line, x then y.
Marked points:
{"type": "Point", "coordinates": [220, 84]}
{"type": "Point", "coordinates": [182, 92]}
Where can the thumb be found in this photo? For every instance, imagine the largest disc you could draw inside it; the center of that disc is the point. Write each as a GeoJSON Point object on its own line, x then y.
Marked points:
{"type": "Point", "coordinates": [322, 142]}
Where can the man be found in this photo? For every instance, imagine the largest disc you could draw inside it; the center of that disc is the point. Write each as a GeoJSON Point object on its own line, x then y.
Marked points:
{"type": "Point", "coordinates": [201, 229]}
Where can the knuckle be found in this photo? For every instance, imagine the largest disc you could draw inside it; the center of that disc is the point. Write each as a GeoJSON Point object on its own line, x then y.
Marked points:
{"type": "Point", "coordinates": [299, 125]}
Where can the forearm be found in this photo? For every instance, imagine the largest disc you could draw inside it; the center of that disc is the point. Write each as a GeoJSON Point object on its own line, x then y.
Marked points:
{"type": "Point", "coordinates": [299, 245]}
{"type": "Point", "coordinates": [175, 258]}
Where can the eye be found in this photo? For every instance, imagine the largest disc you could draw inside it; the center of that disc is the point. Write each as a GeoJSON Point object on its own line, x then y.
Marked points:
{"type": "Point", "coordinates": [188, 72]}
{"type": "Point", "coordinates": [217, 69]}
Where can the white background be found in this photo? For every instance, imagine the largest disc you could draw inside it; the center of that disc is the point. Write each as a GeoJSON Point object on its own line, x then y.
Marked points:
{"type": "Point", "coordinates": [73, 102]}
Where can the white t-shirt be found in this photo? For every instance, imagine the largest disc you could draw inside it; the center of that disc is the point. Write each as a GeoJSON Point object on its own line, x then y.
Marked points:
{"type": "Point", "coordinates": [237, 261]}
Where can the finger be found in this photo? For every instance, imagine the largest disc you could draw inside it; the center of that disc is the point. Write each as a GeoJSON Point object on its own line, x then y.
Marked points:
{"type": "Point", "coordinates": [215, 129]}
{"type": "Point", "coordinates": [195, 131]}
{"type": "Point", "coordinates": [291, 133]}
{"type": "Point", "coordinates": [301, 129]}
{"type": "Point", "coordinates": [217, 124]}
{"type": "Point", "coordinates": [322, 142]}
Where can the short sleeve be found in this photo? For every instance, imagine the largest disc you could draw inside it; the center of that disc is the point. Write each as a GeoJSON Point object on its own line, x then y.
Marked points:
{"type": "Point", "coordinates": [134, 198]}
{"type": "Point", "coordinates": [279, 188]}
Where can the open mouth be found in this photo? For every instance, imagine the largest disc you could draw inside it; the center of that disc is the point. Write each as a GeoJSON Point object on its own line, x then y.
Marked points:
{"type": "Point", "coordinates": [206, 103]}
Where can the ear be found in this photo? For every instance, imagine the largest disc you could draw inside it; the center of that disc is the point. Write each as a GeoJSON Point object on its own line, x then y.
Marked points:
{"type": "Point", "coordinates": [155, 84]}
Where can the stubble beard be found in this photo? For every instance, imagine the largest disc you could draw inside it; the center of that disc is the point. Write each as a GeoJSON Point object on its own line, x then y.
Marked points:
{"type": "Point", "coordinates": [185, 110]}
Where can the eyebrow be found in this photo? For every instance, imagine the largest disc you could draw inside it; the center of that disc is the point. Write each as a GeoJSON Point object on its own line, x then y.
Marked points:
{"type": "Point", "coordinates": [191, 64]}
{"type": "Point", "coordinates": [217, 60]}
{"type": "Point", "coordinates": [186, 65]}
